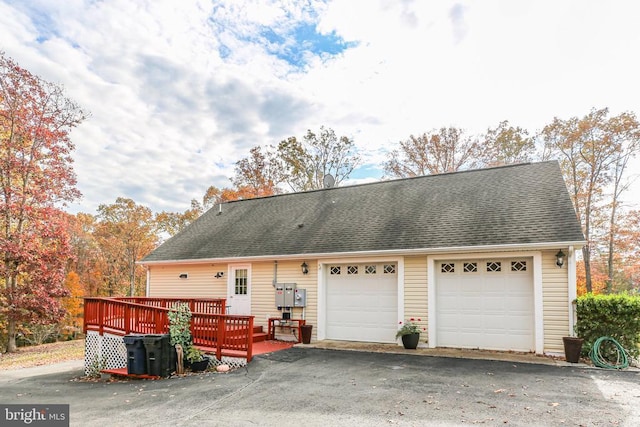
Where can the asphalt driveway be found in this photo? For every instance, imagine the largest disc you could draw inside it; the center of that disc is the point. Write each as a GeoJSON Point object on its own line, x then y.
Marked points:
{"type": "Point", "coordinates": [319, 387]}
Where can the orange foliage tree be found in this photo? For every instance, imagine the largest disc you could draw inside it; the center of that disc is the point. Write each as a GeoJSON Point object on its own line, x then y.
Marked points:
{"type": "Point", "coordinates": [72, 304]}
{"type": "Point", "coordinates": [598, 278]}
{"type": "Point", "coordinates": [126, 232]}
{"type": "Point", "coordinates": [36, 175]}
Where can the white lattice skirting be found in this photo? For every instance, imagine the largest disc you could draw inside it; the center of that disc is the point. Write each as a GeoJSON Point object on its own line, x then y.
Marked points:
{"type": "Point", "coordinates": [232, 362]}
{"type": "Point", "coordinates": [109, 352]}
{"type": "Point", "coordinates": [104, 352]}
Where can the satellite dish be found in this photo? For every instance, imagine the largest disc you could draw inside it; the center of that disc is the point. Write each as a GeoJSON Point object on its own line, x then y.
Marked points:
{"type": "Point", "coordinates": [328, 181]}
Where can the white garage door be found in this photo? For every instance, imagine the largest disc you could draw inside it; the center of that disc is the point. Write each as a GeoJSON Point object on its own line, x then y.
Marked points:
{"type": "Point", "coordinates": [362, 302]}
{"type": "Point", "coordinates": [485, 304]}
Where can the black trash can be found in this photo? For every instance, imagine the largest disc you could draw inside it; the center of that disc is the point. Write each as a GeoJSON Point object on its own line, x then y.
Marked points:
{"type": "Point", "coordinates": [136, 354]}
{"type": "Point", "coordinates": [160, 355]}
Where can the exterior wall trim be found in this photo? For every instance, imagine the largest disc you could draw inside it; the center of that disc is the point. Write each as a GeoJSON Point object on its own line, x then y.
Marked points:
{"type": "Point", "coordinates": [385, 253]}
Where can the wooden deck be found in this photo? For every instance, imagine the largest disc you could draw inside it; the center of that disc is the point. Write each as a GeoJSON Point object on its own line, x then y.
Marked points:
{"type": "Point", "coordinates": [212, 330]}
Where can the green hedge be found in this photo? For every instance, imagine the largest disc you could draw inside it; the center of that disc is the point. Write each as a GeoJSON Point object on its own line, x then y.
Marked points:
{"type": "Point", "coordinates": [616, 316]}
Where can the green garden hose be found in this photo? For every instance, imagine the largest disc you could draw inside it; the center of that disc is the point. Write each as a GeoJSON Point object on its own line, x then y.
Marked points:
{"type": "Point", "coordinates": [598, 359]}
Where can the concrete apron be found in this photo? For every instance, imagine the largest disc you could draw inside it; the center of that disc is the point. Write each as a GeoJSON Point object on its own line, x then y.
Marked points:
{"type": "Point", "coordinates": [442, 352]}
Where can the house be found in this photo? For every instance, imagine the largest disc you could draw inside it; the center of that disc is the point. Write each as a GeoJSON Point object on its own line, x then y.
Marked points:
{"type": "Point", "coordinates": [484, 258]}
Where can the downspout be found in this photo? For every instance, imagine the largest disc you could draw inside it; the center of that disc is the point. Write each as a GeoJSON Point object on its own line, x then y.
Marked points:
{"type": "Point", "coordinates": [148, 286]}
{"type": "Point", "coordinates": [571, 278]}
{"type": "Point", "coordinates": [275, 273]}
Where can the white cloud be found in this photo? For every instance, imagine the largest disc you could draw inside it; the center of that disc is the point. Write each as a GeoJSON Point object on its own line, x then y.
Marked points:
{"type": "Point", "coordinates": [179, 91]}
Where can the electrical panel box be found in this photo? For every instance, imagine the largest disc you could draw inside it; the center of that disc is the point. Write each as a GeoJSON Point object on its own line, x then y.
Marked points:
{"type": "Point", "coordinates": [300, 298]}
{"type": "Point", "coordinates": [289, 291]}
{"type": "Point", "coordinates": [279, 295]}
{"type": "Point", "coordinates": [285, 295]}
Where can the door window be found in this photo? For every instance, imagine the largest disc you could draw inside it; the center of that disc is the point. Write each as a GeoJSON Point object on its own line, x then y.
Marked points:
{"type": "Point", "coordinates": [241, 281]}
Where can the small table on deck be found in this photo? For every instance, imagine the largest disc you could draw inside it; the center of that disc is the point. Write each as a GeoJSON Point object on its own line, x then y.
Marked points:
{"type": "Point", "coordinates": [285, 323]}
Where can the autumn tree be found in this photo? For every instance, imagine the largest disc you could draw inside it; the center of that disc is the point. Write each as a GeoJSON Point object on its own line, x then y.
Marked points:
{"type": "Point", "coordinates": [36, 177]}
{"type": "Point", "coordinates": [625, 137]}
{"type": "Point", "coordinates": [86, 260]}
{"type": "Point", "coordinates": [439, 151]}
{"type": "Point", "coordinates": [628, 249]}
{"type": "Point", "coordinates": [506, 144]}
{"type": "Point", "coordinates": [72, 322]}
{"type": "Point", "coordinates": [126, 232]}
{"type": "Point", "coordinates": [598, 278]}
{"type": "Point", "coordinates": [590, 150]}
{"type": "Point", "coordinates": [257, 175]}
{"type": "Point", "coordinates": [305, 163]}
{"type": "Point", "coordinates": [170, 223]}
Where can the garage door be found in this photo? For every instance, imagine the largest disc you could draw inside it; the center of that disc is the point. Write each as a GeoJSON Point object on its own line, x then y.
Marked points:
{"type": "Point", "coordinates": [485, 304]}
{"type": "Point", "coordinates": [362, 302]}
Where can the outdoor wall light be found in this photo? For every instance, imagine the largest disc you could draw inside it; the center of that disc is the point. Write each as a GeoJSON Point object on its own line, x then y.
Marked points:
{"type": "Point", "coordinates": [219, 274]}
{"type": "Point", "coordinates": [560, 258]}
{"type": "Point", "coordinates": [183, 275]}
{"type": "Point", "coordinates": [305, 268]}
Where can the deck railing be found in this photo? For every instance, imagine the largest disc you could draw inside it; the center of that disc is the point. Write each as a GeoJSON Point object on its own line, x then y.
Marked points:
{"type": "Point", "coordinates": [196, 305]}
{"type": "Point", "coordinates": [211, 328]}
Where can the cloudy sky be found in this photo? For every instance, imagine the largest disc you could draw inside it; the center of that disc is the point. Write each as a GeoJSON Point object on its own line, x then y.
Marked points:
{"type": "Point", "coordinates": [179, 91]}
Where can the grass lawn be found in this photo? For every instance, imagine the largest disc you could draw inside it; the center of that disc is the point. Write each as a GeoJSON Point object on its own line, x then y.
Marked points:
{"type": "Point", "coordinates": [45, 354]}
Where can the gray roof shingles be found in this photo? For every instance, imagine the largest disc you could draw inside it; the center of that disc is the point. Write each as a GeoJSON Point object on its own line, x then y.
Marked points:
{"type": "Point", "coordinates": [509, 205]}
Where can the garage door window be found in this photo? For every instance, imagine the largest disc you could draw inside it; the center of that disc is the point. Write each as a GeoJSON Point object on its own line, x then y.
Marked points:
{"type": "Point", "coordinates": [470, 267]}
{"type": "Point", "coordinates": [447, 267]}
{"type": "Point", "coordinates": [370, 269]}
{"type": "Point", "coordinates": [335, 270]}
{"type": "Point", "coordinates": [389, 269]}
{"type": "Point", "coordinates": [352, 269]}
{"type": "Point", "coordinates": [494, 266]}
{"type": "Point", "coordinates": [518, 265]}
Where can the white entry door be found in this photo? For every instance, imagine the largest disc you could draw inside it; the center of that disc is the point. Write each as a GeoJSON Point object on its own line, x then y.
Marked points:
{"type": "Point", "coordinates": [239, 291]}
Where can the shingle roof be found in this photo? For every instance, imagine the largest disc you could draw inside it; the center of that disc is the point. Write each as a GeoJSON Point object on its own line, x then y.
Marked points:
{"type": "Point", "coordinates": [510, 205]}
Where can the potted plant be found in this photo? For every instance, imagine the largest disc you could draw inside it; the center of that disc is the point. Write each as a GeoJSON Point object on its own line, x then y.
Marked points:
{"type": "Point", "coordinates": [573, 344]}
{"type": "Point", "coordinates": [195, 359]}
{"type": "Point", "coordinates": [180, 331]}
{"type": "Point", "coordinates": [410, 333]}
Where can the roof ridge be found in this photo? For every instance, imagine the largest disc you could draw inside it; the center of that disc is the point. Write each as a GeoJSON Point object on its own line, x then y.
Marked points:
{"type": "Point", "coordinates": [384, 181]}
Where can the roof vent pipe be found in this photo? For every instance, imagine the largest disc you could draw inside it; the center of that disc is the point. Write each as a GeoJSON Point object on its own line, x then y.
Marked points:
{"type": "Point", "coordinates": [219, 208]}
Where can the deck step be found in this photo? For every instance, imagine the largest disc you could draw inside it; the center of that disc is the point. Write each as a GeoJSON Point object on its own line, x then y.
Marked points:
{"type": "Point", "coordinates": [260, 336]}
{"type": "Point", "coordinates": [123, 372]}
